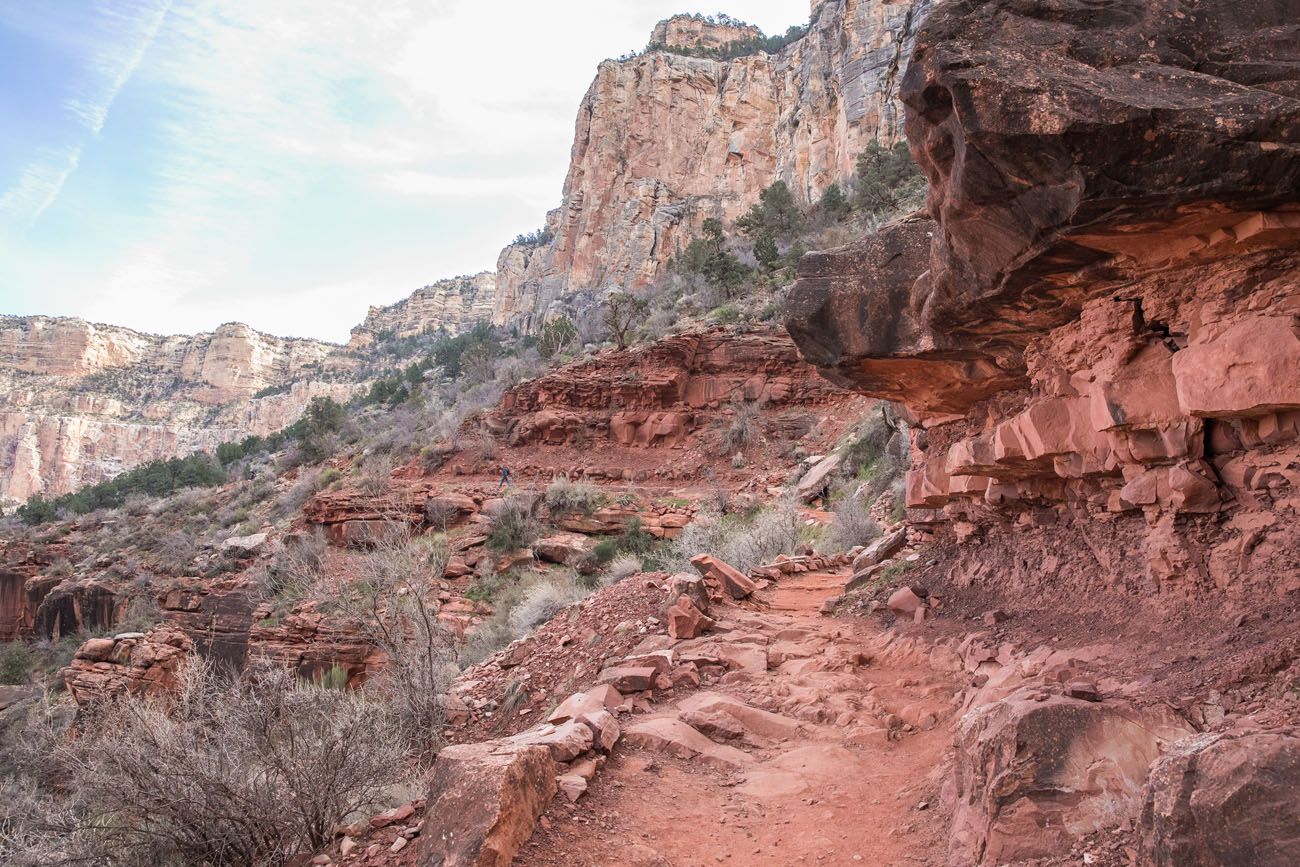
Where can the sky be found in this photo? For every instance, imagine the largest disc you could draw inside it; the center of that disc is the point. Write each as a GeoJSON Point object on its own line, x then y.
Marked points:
{"type": "Point", "coordinates": [170, 165]}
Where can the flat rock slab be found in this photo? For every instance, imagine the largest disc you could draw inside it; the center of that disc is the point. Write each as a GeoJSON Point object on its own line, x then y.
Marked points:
{"type": "Point", "coordinates": [674, 737]}
{"type": "Point", "coordinates": [763, 724]}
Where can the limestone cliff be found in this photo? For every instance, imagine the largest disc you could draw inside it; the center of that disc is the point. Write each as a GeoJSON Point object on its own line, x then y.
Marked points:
{"type": "Point", "coordinates": [1096, 324]}
{"type": "Point", "coordinates": [454, 304]}
{"type": "Point", "coordinates": [664, 141]}
{"type": "Point", "coordinates": [81, 402]}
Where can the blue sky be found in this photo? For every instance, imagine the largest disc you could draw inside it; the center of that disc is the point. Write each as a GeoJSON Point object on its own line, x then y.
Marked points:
{"type": "Point", "coordinates": [170, 165]}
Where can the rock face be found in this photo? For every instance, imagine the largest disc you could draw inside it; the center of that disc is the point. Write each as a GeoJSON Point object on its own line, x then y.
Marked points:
{"type": "Point", "coordinates": [82, 402]}
{"type": "Point", "coordinates": [1098, 317]}
{"type": "Point", "coordinates": [455, 304]}
{"type": "Point", "coordinates": [1035, 773]}
{"type": "Point", "coordinates": [659, 396]}
{"type": "Point", "coordinates": [1224, 801]}
{"type": "Point", "coordinates": [664, 141]}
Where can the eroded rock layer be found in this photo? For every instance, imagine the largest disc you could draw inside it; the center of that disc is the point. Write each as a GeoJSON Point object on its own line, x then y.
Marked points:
{"type": "Point", "coordinates": [659, 396]}
{"type": "Point", "coordinates": [1096, 325]}
{"type": "Point", "coordinates": [454, 304]}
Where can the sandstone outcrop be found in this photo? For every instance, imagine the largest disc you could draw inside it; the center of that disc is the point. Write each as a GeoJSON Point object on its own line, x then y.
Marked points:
{"type": "Point", "coordinates": [664, 141]}
{"type": "Point", "coordinates": [82, 402]}
{"type": "Point", "coordinates": [1034, 773]}
{"type": "Point", "coordinates": [1097, 320]}
{"type": "Point", "coordinates": [132, 663]}
{"type": "Point", "coordinates": [697, 31]}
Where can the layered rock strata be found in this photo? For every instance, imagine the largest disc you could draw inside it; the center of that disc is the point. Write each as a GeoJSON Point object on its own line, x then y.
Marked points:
{"type": "Point", "coordinates": [1096, 325]}
{"type": "Point", "coordinates": [699, 32]}
{"type": "Point", "coordinates": [660, 396]}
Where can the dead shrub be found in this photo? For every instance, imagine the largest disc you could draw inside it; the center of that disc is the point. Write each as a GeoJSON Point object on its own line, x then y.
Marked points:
{"type": "Point", "coordinates": [565, 497]}
{"type": "Point", "coordinates": [743, 430]}
{"type": "Point", "coordinates": [232, 771]}
{"type": "Point", "coordinates": [294, 570]}
{"type": "Point", "coordinates": [543, 599]}
{"type": "Point", "coordinates": [622, 566]}
{"type": "Point", "coordinates": [395, 601]}
{"type": "Point", "coordinates": [851, 526]}
{"type": "Point", "coordinates": [513, 526]}
{"type": "Point", "coordinates": [744, 542]}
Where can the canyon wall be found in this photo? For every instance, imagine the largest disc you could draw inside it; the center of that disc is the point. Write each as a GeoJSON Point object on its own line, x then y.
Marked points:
{"type": "Point", "coordinates": [80, 403]}
{"type": "Point", "coordinates": [1096, 325]}
{"type": "Point", "coordinates": [664, 141]}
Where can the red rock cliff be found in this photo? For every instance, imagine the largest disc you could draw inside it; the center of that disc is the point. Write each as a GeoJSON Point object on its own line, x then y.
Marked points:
{"type": "Point", "coordinates": [1096, 324]}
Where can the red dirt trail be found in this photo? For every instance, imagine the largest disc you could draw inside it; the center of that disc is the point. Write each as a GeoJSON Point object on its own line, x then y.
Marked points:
{"type": "Point", "coordinates": [839, 791]}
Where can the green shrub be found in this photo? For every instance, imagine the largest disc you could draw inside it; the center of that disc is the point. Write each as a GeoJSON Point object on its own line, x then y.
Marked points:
{"type": "Point", "coordinates": [887, 177]}
{"type": "Point", "coordinates": [708, 256]}
{"type": "Point", "coordinates": [37, 510]}
{"type": "Point", "coordinates": [513, 526]}
{"type": "Point", "coordinates": [834, 202]}
{"type": "Point", "coordinates": [566, 497]}
{"type": "Point", "coordinates": [776, 215]}
{"type": "Point", "coordinates": [317, 429]}
{"type": "Point", "coordinates": [536, 238]}
{"type": "Point", "coordinates": [271, 390]}
{"type": "Point", "coordinates": [15, 663]}
{"type": "Point", "coordinates": [727, 314]}
{"type": "Point", "coordinates": [605, 551]}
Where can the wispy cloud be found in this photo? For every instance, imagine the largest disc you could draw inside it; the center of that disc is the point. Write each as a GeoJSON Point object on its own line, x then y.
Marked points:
{"type": "Point", "coordinates": [129, 29]}
{"type": "Point", "coordinates": [38, 185]}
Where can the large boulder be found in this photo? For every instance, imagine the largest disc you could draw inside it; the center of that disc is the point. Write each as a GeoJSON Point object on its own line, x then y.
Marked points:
{"type": "Point", "coordinates": [881, 549]}
{"type": "Point", "coordinates": [484, 802]}
{"type": "Point", "coordinates": [563, 548]}
{"type": "Point", "coordinates": [1225, 801]}
{"type": "Point", "coordinates": [1035, 773]}
{"type": "Point", "coordinates": [686, 620]}
{"type": "Point", "coordinates": [812, 483]}
{"type": "Point", "coordinates": [736, 584]}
